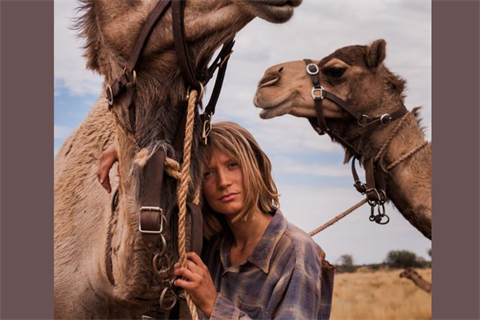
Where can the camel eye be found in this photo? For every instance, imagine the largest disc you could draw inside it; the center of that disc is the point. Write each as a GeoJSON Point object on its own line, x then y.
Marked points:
{"type": "Point", "coordinates": [334, 72]}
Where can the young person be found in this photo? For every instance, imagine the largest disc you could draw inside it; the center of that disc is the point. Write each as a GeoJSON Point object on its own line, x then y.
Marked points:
{"type": "Point", "coordinates": [256, 265]}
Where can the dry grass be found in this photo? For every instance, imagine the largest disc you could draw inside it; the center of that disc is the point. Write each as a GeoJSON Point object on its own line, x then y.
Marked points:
{"type": "Point", "coordinates": [380, 295]}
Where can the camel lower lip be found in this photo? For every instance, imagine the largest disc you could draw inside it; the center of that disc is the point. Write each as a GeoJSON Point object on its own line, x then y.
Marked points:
{"type": "Point", "coordinates": [279, 12]}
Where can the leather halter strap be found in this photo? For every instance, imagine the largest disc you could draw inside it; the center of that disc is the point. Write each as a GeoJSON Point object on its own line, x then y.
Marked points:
{"type": "Point", "coordinates": [365, 123]}
{"type": "Point", "coordinates": [180, 42]}
{"type": "Point", "coordinates": [127, 81]}
{"type": "Point", "coordinates": [375, 177]}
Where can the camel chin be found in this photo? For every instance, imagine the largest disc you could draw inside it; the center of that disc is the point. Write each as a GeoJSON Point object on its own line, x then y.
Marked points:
{"type": "Point", "coordinates": [276, 111]}
{"type": "Point", "coordinates": [275, 11]}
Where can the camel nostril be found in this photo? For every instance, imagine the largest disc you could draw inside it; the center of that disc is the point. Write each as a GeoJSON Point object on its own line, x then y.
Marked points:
{"type": "Point", "coordinates": [280, 70]}
{"type": "Point", "coordinates": [268, 81]}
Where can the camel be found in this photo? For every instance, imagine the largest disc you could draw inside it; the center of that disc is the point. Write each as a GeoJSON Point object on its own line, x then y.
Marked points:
{"type": "Point", "coordinates": [357, 75]}
{"type": "Point", "coordinates": [417, 279]}
{"type": "Point", "coordinates": [86, 231]}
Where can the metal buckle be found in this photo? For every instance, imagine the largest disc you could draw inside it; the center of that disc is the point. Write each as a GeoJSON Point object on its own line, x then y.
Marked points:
{"type": "Point", "coordinates": [319, 96]}
{"type": "Point", "coordinates": [146, 208]}
{"type": "Point", "coordinates": [387, 117]}
{"type": "Point", "coordinates": [315, 71]}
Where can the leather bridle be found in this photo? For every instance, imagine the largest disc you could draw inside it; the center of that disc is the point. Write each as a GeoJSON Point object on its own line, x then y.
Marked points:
{"type": "Point", "coordinates": [375, 186]}
{"type": "Point", "coordinates": [152, 219]}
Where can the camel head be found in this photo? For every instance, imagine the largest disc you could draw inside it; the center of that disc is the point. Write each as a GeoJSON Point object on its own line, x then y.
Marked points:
{"type": "Point", "coordinates": [111, 28]}
{"type": "Point", "coordinates": [355, 74]}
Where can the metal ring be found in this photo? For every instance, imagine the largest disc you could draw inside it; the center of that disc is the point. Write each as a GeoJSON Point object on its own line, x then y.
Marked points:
{"type": "Point", "coordinates": [376, 192]}
{"type": "Point", "coordinates": [384, 194]}
{"type": "Point", "coordinates": [109, 92]}
{"type": "Point", "coordinates": [162, 300]}
{"type": "Point", "coordinates": [387, 221]}
{"type": "Point", "coordinates": [164, 270]}
{"type": "Point", "coordinates": [383, 117]}
{"type": "Point", "coordinates": [199, 96]}
{"type": "Point", "coordinates": [134, 76]}
{"type": "Point", "coordinates": [360, 121]}
{"type": "Point", "coordinates": [163, 245]}
{"type": "Point", "coordinates": [372, 215]}
{"type": "Point", "coordinates": [381, 210]}
{"type": "Point", "coordinates": [312, 73]}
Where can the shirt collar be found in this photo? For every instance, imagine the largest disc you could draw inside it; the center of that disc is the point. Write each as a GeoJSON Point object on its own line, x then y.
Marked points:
{"type": "Point", "coordinates": [263, 252]}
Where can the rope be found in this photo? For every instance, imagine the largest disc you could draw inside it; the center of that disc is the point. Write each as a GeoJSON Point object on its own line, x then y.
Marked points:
{"type": "Point", "coordinates": [406, 156]}
{"type": "Point", "coordinates": [182, 191]}
{"type": "Point", "coordinates": [392, 135]}
{"type": "Point", "coordinates": [340, 216]}
{"type": "Point", "coordinates": [377, 157]}
{"type": "Point", "coordinates": [172, 168]}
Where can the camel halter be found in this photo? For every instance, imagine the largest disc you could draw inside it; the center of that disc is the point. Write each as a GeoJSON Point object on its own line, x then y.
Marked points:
{"type": "Point", "coordinates": [152, 219]}
{"type": "Point", "coordinates": [375, 186]}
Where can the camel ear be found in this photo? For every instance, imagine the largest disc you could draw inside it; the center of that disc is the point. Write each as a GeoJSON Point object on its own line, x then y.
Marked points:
{"type": "Point", "coordinates": [376, 53]}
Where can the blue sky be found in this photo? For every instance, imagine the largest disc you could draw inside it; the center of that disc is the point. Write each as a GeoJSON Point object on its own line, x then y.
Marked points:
{"type": "Point", "coordinates": [308, 169]}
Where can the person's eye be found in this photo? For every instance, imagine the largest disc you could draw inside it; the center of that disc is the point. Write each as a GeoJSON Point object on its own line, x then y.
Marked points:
{"type": "Point", "coordinates": [233, 165]}
{"type": "Point", "coordinates": [207, 174]}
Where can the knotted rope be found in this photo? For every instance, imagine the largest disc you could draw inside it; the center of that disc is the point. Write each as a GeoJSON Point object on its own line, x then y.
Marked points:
{"type": "Point", "coordinates": [182, 174]}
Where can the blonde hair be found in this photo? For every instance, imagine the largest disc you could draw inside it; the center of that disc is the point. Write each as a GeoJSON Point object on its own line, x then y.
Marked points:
{"type": "Point", "coordinates": [260, 189]}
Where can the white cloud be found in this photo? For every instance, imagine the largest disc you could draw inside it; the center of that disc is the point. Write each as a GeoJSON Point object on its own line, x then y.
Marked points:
{"type": "Point", "coordinates": [69, 67]}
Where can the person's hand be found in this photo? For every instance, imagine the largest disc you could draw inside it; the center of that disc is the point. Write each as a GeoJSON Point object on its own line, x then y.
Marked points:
{"type": "Point", "coordinates": [108, 158]}
{"type": "Point", "coordinates": [196, 280]}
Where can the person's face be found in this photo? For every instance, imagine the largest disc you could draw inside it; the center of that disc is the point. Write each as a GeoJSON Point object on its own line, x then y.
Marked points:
{"type": "Point", "coordinates": [223, 184]}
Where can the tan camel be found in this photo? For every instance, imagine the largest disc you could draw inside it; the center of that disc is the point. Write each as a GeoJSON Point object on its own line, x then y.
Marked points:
{"type": "Point", "coordinates": [83, 218]}
{"type": "Point", "coordinates": [357, 75]}
{"type": "Point", "coordinates": [416, 279]}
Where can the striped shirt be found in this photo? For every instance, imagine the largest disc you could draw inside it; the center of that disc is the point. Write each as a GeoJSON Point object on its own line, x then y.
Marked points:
{"type": "Point", "coordinates": [281, 279]}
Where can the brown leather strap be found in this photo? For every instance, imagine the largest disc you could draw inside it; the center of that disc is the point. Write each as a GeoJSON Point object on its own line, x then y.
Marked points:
{"type": "Point", "coordinates": [141, 42]}
{"type": "Point", "coordinates": [126, 82]}
{"type": "Point", "coordinates": [151, 212]}
{"type": "Point", "coordinates": [314, 72]}
{"type": "Point", "coordinates": [178, 7]}
{"type": "Point", "coordinates": [382, 120]}
{"type": "Point", "coordinates": [220, 62]}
